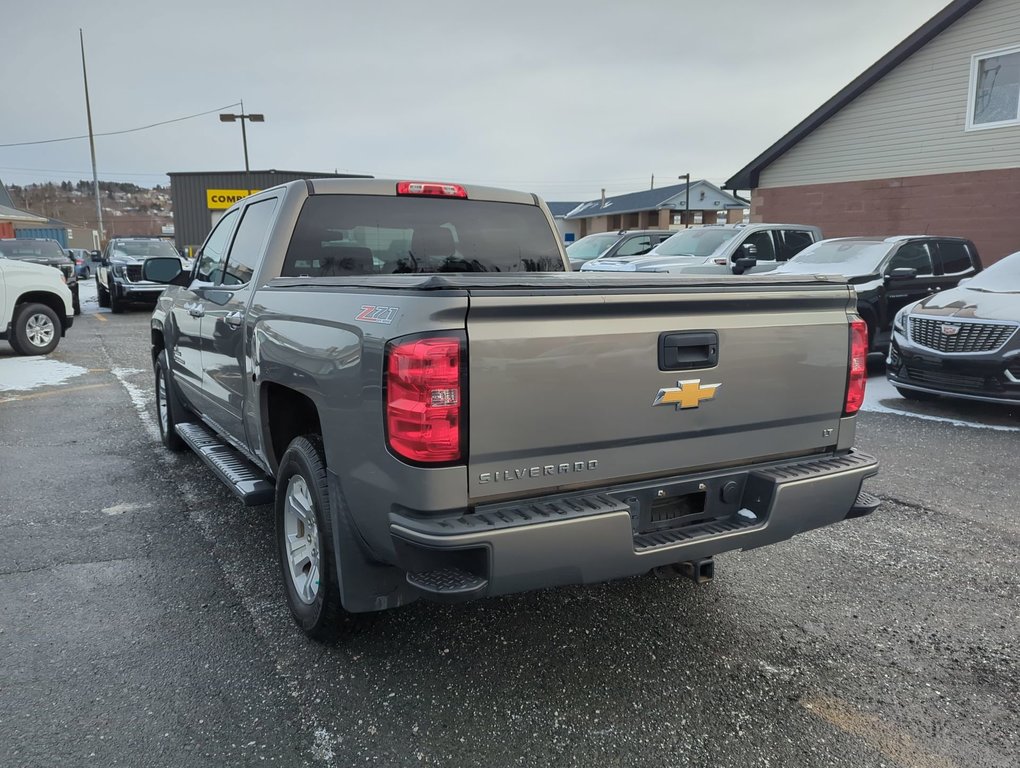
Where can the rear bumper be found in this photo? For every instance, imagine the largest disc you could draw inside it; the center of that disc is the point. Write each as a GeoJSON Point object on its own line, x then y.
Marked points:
{"type": "Point", "coordinates": [601, 535]}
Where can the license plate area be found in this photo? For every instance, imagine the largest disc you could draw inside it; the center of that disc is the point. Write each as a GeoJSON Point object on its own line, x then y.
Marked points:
{"type": "Point", "coordinates": [686, 504]}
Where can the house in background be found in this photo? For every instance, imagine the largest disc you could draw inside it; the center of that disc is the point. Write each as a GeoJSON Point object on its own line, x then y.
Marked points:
{"type": "Point", "coordinates": [926, 141]}
{"type": "Point", "coordinates": [569, 230]}
{"type": "Point", "coordinates": [660, 208]}
{"type": "Point", "coordinates": [11, 218]}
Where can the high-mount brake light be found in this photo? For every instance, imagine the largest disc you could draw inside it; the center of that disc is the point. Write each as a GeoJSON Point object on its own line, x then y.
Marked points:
{"type": "Point", "coordinates": [424, 397]}
{"type": "Point", "coordinates": [858, 377]}
{"type": "Point", "coordinates": [430, 189]}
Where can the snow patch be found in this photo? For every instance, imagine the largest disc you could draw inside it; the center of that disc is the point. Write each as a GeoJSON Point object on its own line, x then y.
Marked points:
{"type": "Point", "coordinates": [322, 749]}
{"type": "Point", "coordinates": [20, 374]}
{"type": "Point", "coordinates": [140, 397]}
{"type": "Point", "coordinates": [880, 389]}
{"type": "Point", "coordinates": [120, 509]}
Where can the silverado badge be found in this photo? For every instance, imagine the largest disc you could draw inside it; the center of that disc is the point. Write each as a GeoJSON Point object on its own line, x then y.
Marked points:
{"type": "Point", "coordinates": [686, 394]}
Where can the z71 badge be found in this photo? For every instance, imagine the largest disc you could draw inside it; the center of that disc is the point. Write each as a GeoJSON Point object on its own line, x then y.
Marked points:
{"type": "Point", "coordinates": [373, 314]}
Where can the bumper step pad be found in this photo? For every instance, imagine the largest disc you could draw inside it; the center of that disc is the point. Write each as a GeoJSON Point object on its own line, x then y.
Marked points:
{"type": "Point", "coordinates": [247, 481]}
{"type": "Point", "coordinates": [865, 505]}
{"type": "Point", "coordinates": [449, 585]}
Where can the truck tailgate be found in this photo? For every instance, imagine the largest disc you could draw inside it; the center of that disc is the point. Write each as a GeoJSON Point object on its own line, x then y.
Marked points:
{"type": "Point", "coordinates": [568, 388]}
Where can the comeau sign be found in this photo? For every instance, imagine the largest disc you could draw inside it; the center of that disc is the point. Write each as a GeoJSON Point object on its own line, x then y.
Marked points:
{"type": "Point", "coordinates": [221, 199]}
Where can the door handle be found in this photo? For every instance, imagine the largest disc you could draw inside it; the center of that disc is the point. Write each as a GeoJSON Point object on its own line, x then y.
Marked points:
{"type": "Point", "coordinates": [233, 320]}
{"type": "Point", "coordinates": [196, 310]}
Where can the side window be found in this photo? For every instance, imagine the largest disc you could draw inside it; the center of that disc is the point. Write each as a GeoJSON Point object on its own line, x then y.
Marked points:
{"type": "Point", "coordinates": [636, 246]}
{"type": "Point", "coordinates": [794, 241]}
{"type": "Point", "coordinates": [248, 242]}
{"type": "Point", "coordinates": [214, 252]}
{"type": "Point", "coordinates": [954, 256]}
{"type": "Point", "coordinates": [914, 256]}
{"type": "Point", "coordinates": [763, 242]}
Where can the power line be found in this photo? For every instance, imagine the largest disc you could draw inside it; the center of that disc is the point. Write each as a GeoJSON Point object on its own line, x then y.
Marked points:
{"type": "Point", "coordinates": [118, 133]}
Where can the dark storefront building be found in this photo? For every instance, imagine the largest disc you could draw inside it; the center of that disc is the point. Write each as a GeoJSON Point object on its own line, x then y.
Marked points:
{"type": "Point", "coordinates": [200, 198]}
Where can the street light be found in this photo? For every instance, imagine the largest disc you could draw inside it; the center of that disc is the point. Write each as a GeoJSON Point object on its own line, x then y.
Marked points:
{"type": "Point", "coordinates": [254, 117]}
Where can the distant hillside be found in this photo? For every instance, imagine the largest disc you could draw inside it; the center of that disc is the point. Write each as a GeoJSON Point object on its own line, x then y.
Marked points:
{"type": "Point", "coordinates": [127, 208]}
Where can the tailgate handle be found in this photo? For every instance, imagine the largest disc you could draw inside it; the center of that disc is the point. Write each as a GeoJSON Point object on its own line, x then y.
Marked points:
{"type": "Point", "coordinates": [684, 350]}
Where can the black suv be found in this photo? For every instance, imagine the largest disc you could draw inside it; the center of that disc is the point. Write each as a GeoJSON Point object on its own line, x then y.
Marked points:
{"type": "Point", "coordinates": [888, 274]}
{"type": "Point", "coordinates": [605, 245]}
{"type": "Point", "coordinates": [44, 251]}
{"type": "Point", "coordinates": [119, 277]}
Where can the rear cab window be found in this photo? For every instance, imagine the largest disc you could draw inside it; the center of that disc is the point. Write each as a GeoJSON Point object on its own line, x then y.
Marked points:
{"type": "Point", "coordinates": [793, 242]}
{"type": "Point", "coordinates": [954, 257]}
{"type": "Point", "coordinates": [342, 235]}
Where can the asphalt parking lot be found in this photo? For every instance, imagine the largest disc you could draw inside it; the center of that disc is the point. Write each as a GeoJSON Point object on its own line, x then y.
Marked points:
{"type": "Point", "coordinates": [141, 620]}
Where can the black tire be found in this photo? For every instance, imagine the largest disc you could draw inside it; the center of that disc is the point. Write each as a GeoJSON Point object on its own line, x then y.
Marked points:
{"type": "Point", "coordinates": [102, 295]}
{"type": "Point", "coordinates": [116, 302]}
{"type": "Point", "coordinates": [87, 273]}
{"type": "Point", "coordinates": [913, 394]}
{"type": "Point", "coordinates": [323, 617]}
{"type": "Point", "coordinates": [29, 326]}
{"type": "Point", "coordinates": [75, 301]}
{"type": "Point", "coordinates": [172, 411]}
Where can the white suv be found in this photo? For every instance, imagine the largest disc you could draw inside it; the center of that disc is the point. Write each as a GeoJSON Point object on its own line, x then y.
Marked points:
{"type": "Point", "coordinates": [36, 307]}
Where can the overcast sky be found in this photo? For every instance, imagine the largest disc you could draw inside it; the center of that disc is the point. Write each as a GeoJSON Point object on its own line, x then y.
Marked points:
{"type": "Point", "coordinates": [559, 98]}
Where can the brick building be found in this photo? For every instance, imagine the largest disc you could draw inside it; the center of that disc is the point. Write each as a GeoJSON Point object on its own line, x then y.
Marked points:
{"type": "Point", "coordinates": [926, 141]}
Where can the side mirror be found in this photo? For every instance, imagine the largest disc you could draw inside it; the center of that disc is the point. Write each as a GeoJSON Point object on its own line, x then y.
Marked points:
{"type": "Point", "coordinates": [902, 273]}
{"type": "Point", "coordinates": [95, 256]}
{"type": "Point", "coordinates": [741, 265]}
{"type": "Point", "coordinates": [163, 269]}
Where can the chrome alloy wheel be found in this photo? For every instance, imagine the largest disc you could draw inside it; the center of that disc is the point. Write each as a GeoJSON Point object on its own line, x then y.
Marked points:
{"type": "Point", "coordinates": [161, 403]}
{"type": "Point", "coordinates": [40, 330]}
{"type": "Point", "coordinates": [301, 540]}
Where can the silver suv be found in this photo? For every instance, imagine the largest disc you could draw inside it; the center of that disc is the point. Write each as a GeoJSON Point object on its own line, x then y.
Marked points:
{"type": "Point", "coordinates": [717, 249]}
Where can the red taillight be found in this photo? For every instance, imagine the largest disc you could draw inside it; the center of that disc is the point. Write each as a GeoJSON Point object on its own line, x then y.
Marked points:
{"type": "Point", "coordinates": [424, 398]}
{"type": "Point", "coordinates": [858, 378]}
{"type": "Point", "coordinates": [430, 189]}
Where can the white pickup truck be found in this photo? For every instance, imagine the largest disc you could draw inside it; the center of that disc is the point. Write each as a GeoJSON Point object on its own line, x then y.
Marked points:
{"type": "Point", "coordinates": [36, 307]}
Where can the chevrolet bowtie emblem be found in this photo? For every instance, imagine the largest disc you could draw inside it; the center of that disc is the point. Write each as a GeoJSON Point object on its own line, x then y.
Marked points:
{"type": "Point", "coordinates": [686, 394]}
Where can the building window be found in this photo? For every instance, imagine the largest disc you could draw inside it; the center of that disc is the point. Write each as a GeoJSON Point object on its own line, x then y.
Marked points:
{"type": "Point", "coordinates": [994, 89]}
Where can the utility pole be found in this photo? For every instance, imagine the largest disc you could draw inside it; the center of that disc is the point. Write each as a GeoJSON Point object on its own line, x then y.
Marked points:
{"type": "Point", "coordinates": [653, 182]}
{"type": "Point", "coordinates": [92, 140]}
{"type": "Point", "coordinates": [687, 199]}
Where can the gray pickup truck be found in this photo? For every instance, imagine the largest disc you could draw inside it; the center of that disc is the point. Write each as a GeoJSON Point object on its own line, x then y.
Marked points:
{"type": "Point", "coordinates": [437, 410]}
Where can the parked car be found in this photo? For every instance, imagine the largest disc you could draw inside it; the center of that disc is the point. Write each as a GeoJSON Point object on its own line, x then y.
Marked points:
{"type": "Point", "coordinates": [963, 342]}
{"type": "Point", "coordinates": [48, 253]}
{"type": "Point", "coordinates": [82, 262]}
{"type": "Point", "coordinates": [36, 306]}
{"type": "Point", "coordinates": [889, 273]}
{"type": "Point", "coordinates": [428, 434]}
{"type": "Point", "coordinates": [119, 277]}
{"type": "Point", "coordinates": [717, 249]}
{"type": "Point", "coordinates": [606, 245]}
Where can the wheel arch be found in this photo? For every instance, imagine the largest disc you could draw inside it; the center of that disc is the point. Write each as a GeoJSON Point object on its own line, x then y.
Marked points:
{"type": "Point", "coordinates": [51, 300]}
{"type": "Point", "coordinates": [286, 413]}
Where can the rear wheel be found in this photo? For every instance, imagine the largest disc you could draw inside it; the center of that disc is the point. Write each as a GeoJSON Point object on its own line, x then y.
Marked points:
{"type": "Point", "coordinates": [36, 330]}
{"type": "Point", "coordinates": [913, 394]}
{"type": "Point", "coordinates": [170, 411]}
{"type": "Point", "coordinates": [304, 534]}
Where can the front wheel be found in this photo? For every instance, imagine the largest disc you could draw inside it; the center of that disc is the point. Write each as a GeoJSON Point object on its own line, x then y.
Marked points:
{"type": "Point", "coordinates": [76, 302]}
{"type": "Point", "coordinates": [116, 302]}
{"type": "Point", "coordinates": [102, 295]}
{"type": "Point", "coordinates": [304, 534]}
{"type": "Point", "coordinates": [36, 330]}
{"type": "Point", "coordinates": [169, 408]}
